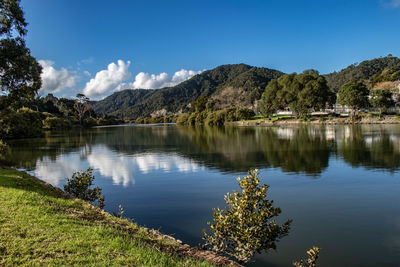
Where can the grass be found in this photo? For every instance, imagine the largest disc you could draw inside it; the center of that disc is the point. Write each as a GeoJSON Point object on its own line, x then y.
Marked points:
{"type": "Point", "coordinates": [40, 226]}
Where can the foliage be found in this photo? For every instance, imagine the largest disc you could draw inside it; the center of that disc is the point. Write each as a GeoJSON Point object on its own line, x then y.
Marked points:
{"type": "Point", "coordinates": [120, 212]}
{"type": "Point", "coordinates": [23, 123]}
{"type": "Point", "coordinates": [381, 99]}
{"type": "Point", "coordinates": [246, 226]}
{"type": "Point", "coordinates": [81, 106]}
{"type": "Point", "coordinates": [300, 93]}
{"type": "Point", "coordinates": [182, 119]}
{"type": "Point", "coordinates": [200, 104]}
{"type": "Point", "coordinates": [312, 258]}
{"type": "Point", "coordinates": [79, 186]}
{"type": "Point", "coordinates": [141, 103]}
{"type": "Point", "coordinates": [40, 227]}
{"type": "Point", "coordinates": [360, 72]}
{"type": "Point", "coordinates": [3, 148]}
{"type": "Point", "coordinates": [389, 74]}
{"type": "Point", "coordinates": [215, 118]}
{"type": "Point", "coordinates": [55, 123]}
{"type": "Point", "coordinates": [354, 95]}
{"type": "Point", "coordinates": [19, 71]}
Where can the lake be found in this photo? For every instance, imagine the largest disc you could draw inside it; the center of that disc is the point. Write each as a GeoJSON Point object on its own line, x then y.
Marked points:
{"type": "Point", "coordinates": [339, 184]}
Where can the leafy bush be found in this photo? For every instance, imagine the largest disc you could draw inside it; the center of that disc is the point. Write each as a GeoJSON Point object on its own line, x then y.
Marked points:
{"type": "Point", "coordinates": [55, 123]}
{"type": "Point", "coordinates": [182, 119]}
{"type": "Point", "coordinates": [312, 258]}
{"type": "Point", "coordinates": [139, 120]}
{"type": "Point", "coordinates": [79, 186]}
{"type": "Point", "coordinates": [246, 226]}
{"type": "Point", "coordinates": [244, 114]}
{"type": "Point", "coordinates": [89, 122]}
{"type": "Point", "coordinates": [23, 123]}
{"type": "Point", "coordinates": [3, 148]}
{"type": "Point", "coordinates": [201, 117]}
{"type": "Point", "coordinates": [192, 119]}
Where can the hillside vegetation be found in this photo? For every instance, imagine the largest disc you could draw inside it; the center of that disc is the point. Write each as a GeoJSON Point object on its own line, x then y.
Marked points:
{"type": "Point", "coordinates": [365, 71]}
{"type": "Point", "coordinates": [238, 85]}
{"type": "Point", "coordinates": [240, 77]}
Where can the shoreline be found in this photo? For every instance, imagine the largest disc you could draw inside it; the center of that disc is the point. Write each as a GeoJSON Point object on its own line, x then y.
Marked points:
{"type": "Point", "coordinates": [334, 121]}
{"type": "Point", "coordinates": [100, 218]}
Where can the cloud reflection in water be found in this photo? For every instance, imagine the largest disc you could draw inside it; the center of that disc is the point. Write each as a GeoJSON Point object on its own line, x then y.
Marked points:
{"type": "Point", "coordinates": [120, 167]}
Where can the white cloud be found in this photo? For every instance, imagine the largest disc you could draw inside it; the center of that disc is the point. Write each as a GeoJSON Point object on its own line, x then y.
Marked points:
{"type": "Point", "coordinates": [87, 73]}
{"type": "Point", "coordinates": [56, 80]}
{"type": "Point", "coordinates": [107, 80]}
{"type": "Point", "coordinates": [155, 81]}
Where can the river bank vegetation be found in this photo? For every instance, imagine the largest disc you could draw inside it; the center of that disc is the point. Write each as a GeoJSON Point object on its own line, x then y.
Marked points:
{"type": "Point", "coordinates": [41, 225]}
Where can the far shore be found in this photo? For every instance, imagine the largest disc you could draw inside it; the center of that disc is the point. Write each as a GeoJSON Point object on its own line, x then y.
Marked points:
{"type": "Point", "coordinates": [317, 121]}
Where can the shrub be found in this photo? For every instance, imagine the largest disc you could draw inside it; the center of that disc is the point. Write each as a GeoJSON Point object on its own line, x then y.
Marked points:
{"type": "Point", "coordinates": [55, 123]}
{"type": "Point", "coordinates": [201, 117]}
{"type": "Point", "coordinates": [79, 186]}
{"type": "Point", "coordinates": [244, 114]}
{"type": "Point", "coordinates": [192, 119]}
{"type": "Point", "coordinates": [3, 148]}
{"type": "Point", "coordinates": [312, 258]}
{"type": "Point", "coordinates": [90, 122]}
{"type": "Point", "coordinates": [246, 226]}
{"type": "Point", "coordinates": [23, 123]}
{"type": "Point", "coordinates": [182, 119]}
{"type": "Point", "coordinates": [139, 120]}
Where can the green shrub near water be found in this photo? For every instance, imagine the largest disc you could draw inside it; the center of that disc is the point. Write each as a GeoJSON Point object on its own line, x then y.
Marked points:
{"type": "Point", "coordinates": [182, 119]}
{"type": "Point", "coordinates": [311, 261]}
{"type": "Point", "coordinates": [3, 148]}
{"type": "Point", "coordinates": [246, 226]}
{"type": "Point", "coordinates": [79, 186]}
{"type": "Point", "coordinates": [55, 123]}
{"type": "Point", "coordinates": [24, 123]}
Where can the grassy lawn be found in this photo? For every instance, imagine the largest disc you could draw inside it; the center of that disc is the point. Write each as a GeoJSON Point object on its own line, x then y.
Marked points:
{"type": "Point", "coordinates": [40, 226]}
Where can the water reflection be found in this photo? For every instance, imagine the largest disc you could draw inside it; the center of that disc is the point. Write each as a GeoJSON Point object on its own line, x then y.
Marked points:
{"type": "Point", "coordinates": [121, 151]}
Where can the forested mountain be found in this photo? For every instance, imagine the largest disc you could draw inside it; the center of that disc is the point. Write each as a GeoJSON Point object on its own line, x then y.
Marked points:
{"type": "Point", "coordinates": [365, 71]}
{"type": "Point", "coordinates": [229, 85]}
{"type": "Point", "coordinates": [239, 77]}
{"type": "Point", "coordinates": [121, 100]}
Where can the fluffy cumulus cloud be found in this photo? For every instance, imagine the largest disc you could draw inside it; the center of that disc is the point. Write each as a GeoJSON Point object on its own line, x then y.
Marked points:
{"type": "Point", "coordinates": [155, 81]}
{"type": "Point", "coordinates": [54, 80]}
{"type": "Point", "coordinates": [107, 80]}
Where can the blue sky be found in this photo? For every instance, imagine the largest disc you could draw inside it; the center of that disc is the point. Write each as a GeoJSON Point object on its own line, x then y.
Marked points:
{"type": "Point", "coordinates": [98, 47]}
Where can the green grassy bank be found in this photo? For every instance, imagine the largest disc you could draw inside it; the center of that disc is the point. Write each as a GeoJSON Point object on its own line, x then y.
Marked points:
{"type": "Point", "coordinates": [40, 225]}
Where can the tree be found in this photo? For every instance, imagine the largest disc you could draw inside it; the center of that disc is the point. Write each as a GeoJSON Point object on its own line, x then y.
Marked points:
{"type": "Point", "coordinates": [19, 71]}
{"type": "Point", "coordinates": [81, 106]}
{"type": "Point", "coordinates": [301, 93]}
{"type": "Point", "coordinates": [246, 226]}
{"type": "Point", "coordinates": [354, 94]}
{"type": "Point", "coordinates": [381, 99]}
{"type": "Point", "coordinates": [79, 186]}
{"type": "Point", "coordinates": [313, 254]}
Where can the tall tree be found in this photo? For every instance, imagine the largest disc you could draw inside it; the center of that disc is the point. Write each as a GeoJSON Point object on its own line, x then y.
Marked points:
{"type": "Point", "coordinates": [354, 94]}
{"type": "Point", "coordinates": [381, 99]}
{"type": "Point", "coordinates": [19, 71]}
{"type": "Point", "coordinates": [81, 106]}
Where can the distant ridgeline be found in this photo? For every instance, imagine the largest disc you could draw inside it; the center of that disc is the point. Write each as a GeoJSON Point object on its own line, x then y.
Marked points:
{"type": "Point", "coordinates": [237, 85]}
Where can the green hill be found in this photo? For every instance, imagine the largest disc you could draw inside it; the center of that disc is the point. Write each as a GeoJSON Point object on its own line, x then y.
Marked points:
{"type": "Point", "coordinates": [227, 85]}
{"type": "Point", "coordinates": [364, 71]}
{"type": "Point", "coordinates": [247, 80]}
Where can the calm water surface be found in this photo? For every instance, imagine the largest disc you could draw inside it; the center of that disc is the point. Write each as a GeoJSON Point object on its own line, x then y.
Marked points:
{"type": "Point", "coordinates": [339, 184]}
